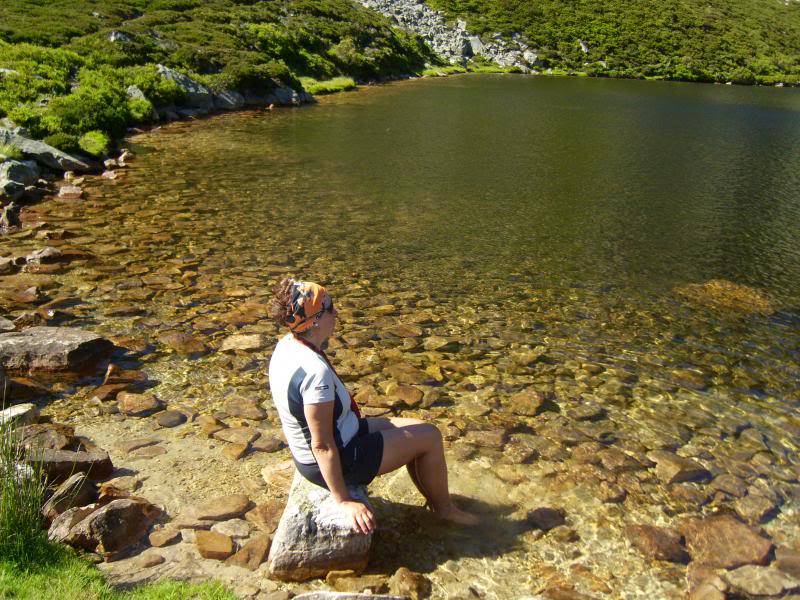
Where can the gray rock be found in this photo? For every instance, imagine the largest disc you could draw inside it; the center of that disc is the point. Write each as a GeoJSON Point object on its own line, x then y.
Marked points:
{"type": "Point", "coordinates": [21, 414]}
{"type": "Point", "coordinates": [761, 581]}
{"type": "Point", "coordinates": [13, 190]}
{"type": "Point", "coordinates": [5, 324]}
{"type": "Point", "coordinates": [25, 172]}
{"type": "Point", "coordinates": [315, 537]}
{"type": "Point", "coordinates": [53, 349]}
{"type": "Point", "coordinates": [43, 153]}
{"type": "Point", "coordinates": [9, 219]}
{"type": "Point", "coordinates": [106, 529]}
{"type": "Point", "coordinates": [118, 37]}
{"type": "Point", "coordinates": [475, 45]}
{"type": "Point", "coordinates": [135, 93]}
{"type": "Point", "coordinates": [197, 95]}
{"type": "Point", "coordinates": [228, 100]}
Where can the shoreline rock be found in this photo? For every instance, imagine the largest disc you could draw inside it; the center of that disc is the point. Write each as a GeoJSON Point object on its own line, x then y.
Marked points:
{"type": "Point", "coordinates": [314, 537]}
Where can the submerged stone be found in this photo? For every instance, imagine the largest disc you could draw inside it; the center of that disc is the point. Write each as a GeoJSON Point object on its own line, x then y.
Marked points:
{"type": "Point", "coordinates": [724, 542]}
{"type": "Point", "coordinates": [725, 295]}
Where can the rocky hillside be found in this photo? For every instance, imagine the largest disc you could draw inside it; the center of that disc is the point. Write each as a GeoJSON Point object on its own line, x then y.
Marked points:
{"type": "Point", "coordinates": [744, 41]}
{"type": "Point", "coordinates": [71, 67]}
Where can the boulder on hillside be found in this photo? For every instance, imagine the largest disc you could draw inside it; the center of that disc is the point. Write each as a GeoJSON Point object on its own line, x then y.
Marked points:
{"type": "Point", "coordinates": [43, 153]}
{"type": "Point", "coordinates": [315, 537]}
{"type": "Point", "coordinates": [197, 95]}
{"type": "Point", "coordinates": [53, 349]}
{"type": "Point", "coordinates": [228, 100]}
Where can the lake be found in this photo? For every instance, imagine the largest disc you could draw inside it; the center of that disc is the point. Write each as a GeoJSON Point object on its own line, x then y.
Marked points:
{"type": "Point", "coordinates": [576, 277]}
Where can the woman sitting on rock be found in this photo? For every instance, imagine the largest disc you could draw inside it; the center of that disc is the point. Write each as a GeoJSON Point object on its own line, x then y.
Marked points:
{"type": "Point", "coordinates": [331, 444]}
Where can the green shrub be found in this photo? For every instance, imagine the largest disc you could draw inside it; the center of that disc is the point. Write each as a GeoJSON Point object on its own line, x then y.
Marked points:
{"type": "Point", "coordinates": [63, 141]}
{"type": "Point", "coordinates": [95, 143]}
{"type": "Point", "coordinates": [140, 109]}
{"type": "Point", "coordinates": [98, 103]}
{"type": "Point", "coordinates": [29, 115]}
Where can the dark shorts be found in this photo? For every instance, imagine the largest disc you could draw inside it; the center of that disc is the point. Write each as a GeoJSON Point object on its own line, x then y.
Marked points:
{"type": "Point", "coordinates": [360, 458]}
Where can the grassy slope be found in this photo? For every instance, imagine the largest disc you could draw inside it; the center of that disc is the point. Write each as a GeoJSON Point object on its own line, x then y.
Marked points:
{"type": "Point", "coordinates": [746, 41]}
{"type": "Point", "coordinates": [60, 49]}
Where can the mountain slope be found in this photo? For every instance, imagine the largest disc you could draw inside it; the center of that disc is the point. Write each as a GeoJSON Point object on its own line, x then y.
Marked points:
{"type": "Point", "coordinates": [65, 65]}
{"type": "Point", "coordinates": [746, 41]}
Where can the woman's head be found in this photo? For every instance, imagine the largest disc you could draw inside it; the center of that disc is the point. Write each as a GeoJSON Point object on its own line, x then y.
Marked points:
{"type": "Point", "coordinates": [304, 307]}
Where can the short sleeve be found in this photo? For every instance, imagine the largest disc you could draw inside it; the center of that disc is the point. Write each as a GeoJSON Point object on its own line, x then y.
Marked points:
{"type": "Point", "coordinates": [318, 386]}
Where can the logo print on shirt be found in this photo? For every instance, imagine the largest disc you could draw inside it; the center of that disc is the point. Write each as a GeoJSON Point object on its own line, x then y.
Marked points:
{"type": "Point", "coordinates": [321, 387]}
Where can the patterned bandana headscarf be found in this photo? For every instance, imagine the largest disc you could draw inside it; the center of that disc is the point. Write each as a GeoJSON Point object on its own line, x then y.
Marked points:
{"type": "Point", "coordinates": [308, 301]}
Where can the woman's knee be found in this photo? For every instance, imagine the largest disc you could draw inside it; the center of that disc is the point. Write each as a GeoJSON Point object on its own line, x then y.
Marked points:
{"type": "Point", "coordinates": [431, 433]}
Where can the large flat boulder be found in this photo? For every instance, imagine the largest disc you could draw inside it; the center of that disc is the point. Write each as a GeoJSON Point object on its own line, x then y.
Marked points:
{"type": "Point", "coordinates": [315, 537]}
{"type": "Point", "coordinates": [43, 153]}
{"type": "Point", "coordinates": [197, 94]}
{"type": "Point", "coordinates": [53, 349]}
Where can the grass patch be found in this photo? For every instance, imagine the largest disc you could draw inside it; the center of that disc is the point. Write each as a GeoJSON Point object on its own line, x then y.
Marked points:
{"type": "Point", "coordinates": [10, 151]}
{"type": "Point", "coordinates": [63, 575]}
{"type": "Point", "coordinates": [329, 86]}
{"type": "Point", "coordinates": [443, 71]}
{"type": "Point", "coordinates": [31, 568]}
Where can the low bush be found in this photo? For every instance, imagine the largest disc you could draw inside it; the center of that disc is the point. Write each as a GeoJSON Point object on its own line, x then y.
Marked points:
{"type": "Point", "coordinates": [95, 143]}
{"type": "Point", "coordinates": [63, 141]}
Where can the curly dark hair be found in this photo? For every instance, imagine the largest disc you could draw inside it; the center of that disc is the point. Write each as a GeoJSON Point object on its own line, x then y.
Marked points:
{"type": "Point", "coordinates": [280, 308]}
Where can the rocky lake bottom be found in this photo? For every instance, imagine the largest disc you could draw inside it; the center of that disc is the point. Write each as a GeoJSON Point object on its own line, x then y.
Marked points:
{"type": "Point", "coordinates": [575, 410]}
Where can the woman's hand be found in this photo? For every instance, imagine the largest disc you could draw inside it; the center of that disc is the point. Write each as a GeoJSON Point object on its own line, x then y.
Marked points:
{"type": "Point", "coordinates": [361, 514]}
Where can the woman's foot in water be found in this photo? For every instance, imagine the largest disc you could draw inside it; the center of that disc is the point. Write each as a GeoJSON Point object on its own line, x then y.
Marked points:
{"type": "Point", "coordinates": [454, 514]}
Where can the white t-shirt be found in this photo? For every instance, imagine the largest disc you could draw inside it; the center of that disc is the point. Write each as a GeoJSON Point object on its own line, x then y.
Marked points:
{"type": "Point", "coordinates": [299, 376]}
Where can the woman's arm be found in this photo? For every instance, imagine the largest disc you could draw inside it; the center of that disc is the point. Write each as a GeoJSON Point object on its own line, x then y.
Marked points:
{"type": "Point", "coordinates": [320, 423]}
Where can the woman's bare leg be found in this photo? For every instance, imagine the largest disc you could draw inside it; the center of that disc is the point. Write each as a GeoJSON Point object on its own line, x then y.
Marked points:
{"type": "Point", "coordinates": [384, 423]}
{"type": "Point", "coordinates": [421, 443]}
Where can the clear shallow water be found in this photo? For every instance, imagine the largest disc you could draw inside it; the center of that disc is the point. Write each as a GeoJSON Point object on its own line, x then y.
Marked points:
{"type": "Point", "coordinates": [499, 215]}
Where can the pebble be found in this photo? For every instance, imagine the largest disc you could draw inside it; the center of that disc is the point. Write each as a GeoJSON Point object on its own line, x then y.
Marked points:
{"type": "Point", "coordinates": [170, 418]}
{"type": "Point", "coordinates": [235, 528]}
{"type": "Point", "coordinates": [165, 536]}
{"type": "Point", "coordinates": [213, 545]}
{"type": "Point", "coordinates": [138, 405]}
